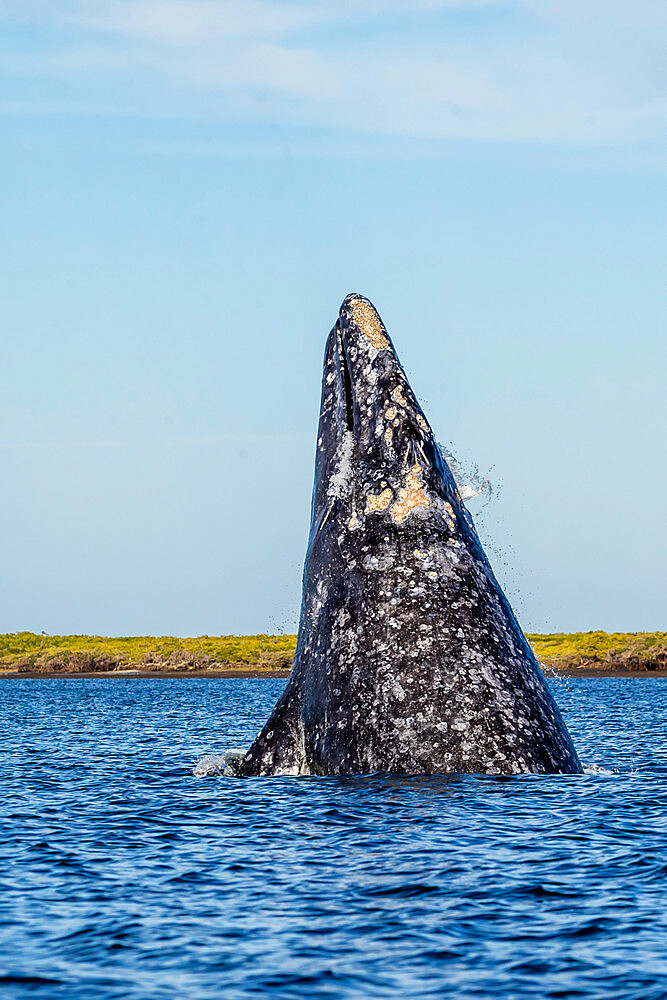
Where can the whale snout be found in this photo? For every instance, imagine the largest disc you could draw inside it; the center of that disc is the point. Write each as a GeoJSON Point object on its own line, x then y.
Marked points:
{"type": "Point", "coordinates": [381, 408]}
{"type": "Point", "coordinates": [360, 322]}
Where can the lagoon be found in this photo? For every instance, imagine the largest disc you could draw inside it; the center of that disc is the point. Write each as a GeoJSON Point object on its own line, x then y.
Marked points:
{"type": "Point", "coordinates": [125, 875]}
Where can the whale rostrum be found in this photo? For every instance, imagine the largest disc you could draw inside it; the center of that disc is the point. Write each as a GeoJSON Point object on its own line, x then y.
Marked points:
{"type": "Point", "coordinates": [409, 658]}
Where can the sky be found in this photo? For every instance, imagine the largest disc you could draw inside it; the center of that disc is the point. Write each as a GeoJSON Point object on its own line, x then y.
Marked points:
{"type": "Point", "coordinates": [191, 187]}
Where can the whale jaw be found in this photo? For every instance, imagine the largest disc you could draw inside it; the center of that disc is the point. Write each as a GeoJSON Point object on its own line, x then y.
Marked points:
{"type": "Point", "coordinates": [409, 658]}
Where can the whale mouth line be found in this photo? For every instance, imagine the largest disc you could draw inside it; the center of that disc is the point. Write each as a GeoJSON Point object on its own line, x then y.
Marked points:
{"type": "Point", "coordinates": [347, 381]}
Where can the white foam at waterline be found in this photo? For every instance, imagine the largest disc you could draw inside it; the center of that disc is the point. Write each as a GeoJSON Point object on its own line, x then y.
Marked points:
{"type": "Point", "coordinates": [597, 769]}
{"type": "Point", "coordinates": [212, 764]}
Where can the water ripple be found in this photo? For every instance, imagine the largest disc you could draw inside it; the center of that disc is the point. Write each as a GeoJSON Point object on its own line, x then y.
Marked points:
{"type": "Point", "coordinates": [127, 876]}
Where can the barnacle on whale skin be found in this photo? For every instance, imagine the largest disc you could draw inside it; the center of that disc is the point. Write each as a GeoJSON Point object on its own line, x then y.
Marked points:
{"type": "Point", "coordinates": [410, 496]}
{"type": "Point", "coordinates": [378, 502]}
{"type": "Point", "coordinates": [368, 321]}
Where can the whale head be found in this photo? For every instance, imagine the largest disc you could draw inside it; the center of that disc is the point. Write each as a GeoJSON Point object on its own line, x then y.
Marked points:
{"type": "Point", "coordinates": [376, 453]}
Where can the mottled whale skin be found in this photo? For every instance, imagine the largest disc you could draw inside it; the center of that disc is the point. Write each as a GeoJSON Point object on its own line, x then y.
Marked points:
{"type": "Point", "coordinates": [409, 658]}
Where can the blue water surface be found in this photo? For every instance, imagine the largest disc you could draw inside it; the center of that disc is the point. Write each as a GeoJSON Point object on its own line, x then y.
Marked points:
{"type": "Point", "coordinates": [125, 875]}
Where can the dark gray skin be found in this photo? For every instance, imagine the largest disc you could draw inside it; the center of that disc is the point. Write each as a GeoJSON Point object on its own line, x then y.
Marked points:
{"type": "Point", "coordinates": [409, 658]}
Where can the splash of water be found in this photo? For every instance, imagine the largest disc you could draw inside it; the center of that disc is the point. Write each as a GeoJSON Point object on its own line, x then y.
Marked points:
{"type": "Point", "coordinates": [469, 480]}
{"type": "Point", "coordinates": [212, 764]}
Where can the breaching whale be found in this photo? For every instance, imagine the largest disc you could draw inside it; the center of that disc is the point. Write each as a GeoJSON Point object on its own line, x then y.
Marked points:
{"type": "Point", "coordinates": [409, 658]}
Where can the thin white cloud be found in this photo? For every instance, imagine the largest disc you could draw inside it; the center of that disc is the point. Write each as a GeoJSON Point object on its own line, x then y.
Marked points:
{"type": "Point", "coordinates": [267, 69]}
{"type": "Point", "coordinates": [564, 71]}
{"type": "Point", "coordinates": [651, 14]}
{"type": "Point", "coordinates": [184, 22]}
{"type": "Point", "coordinates": [187, 23]}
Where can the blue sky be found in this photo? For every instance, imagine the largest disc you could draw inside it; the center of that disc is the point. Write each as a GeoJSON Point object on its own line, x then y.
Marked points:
{"type": "Point", "coordinates": [190, 189]}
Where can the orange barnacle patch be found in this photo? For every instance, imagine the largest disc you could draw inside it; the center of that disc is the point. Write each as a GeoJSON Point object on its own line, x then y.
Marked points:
{"type": "Point", "coordinates": [369, 323]}
{"type": "Point", "coordinates": [378, 502]}
{"type": "Point", "coordinates": [410, 496]}
{"type": "Point", "coordinates": [398, 395]}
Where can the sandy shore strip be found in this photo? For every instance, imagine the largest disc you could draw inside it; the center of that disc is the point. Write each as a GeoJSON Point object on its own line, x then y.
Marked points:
{"type": "Point", "coordinates": [73, 674]}
{"type": "Point", "coordinates": [272, 674]}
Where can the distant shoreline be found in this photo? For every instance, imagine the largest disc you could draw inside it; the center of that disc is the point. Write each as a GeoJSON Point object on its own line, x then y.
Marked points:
{"type": "Point", "coordinates": [551, 674]}
{"type": "Point", "coordinates": [131, 674]}
{"type": "Point", "coordinates": [31, 654]}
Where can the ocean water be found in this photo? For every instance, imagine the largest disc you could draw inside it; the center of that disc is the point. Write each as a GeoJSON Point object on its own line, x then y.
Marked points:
{"type": "Point", "coordinates": [126, 875]}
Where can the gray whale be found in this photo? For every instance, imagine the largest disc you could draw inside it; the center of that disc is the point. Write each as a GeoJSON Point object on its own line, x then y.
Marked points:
{"type": "Point", "coordinates": [409, 658]}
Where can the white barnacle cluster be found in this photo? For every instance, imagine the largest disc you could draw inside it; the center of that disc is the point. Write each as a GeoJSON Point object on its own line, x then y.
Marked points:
{"type": "Point", "coordinates": [378, 562]}
{"type": "Point", "coordinates": [317, 601]}
{"type": "Point", "coordinates": [339, 484]}
{"type": "Point", "coordinates": [342, 618]}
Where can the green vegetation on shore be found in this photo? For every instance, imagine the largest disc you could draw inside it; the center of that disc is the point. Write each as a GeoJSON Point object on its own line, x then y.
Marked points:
{"type": "Point", "coordinates": [30, 652]}
{"type": "Point", "coordinates": [603, 651]}
{"type": "Point", "coordinates": [27, 651]}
